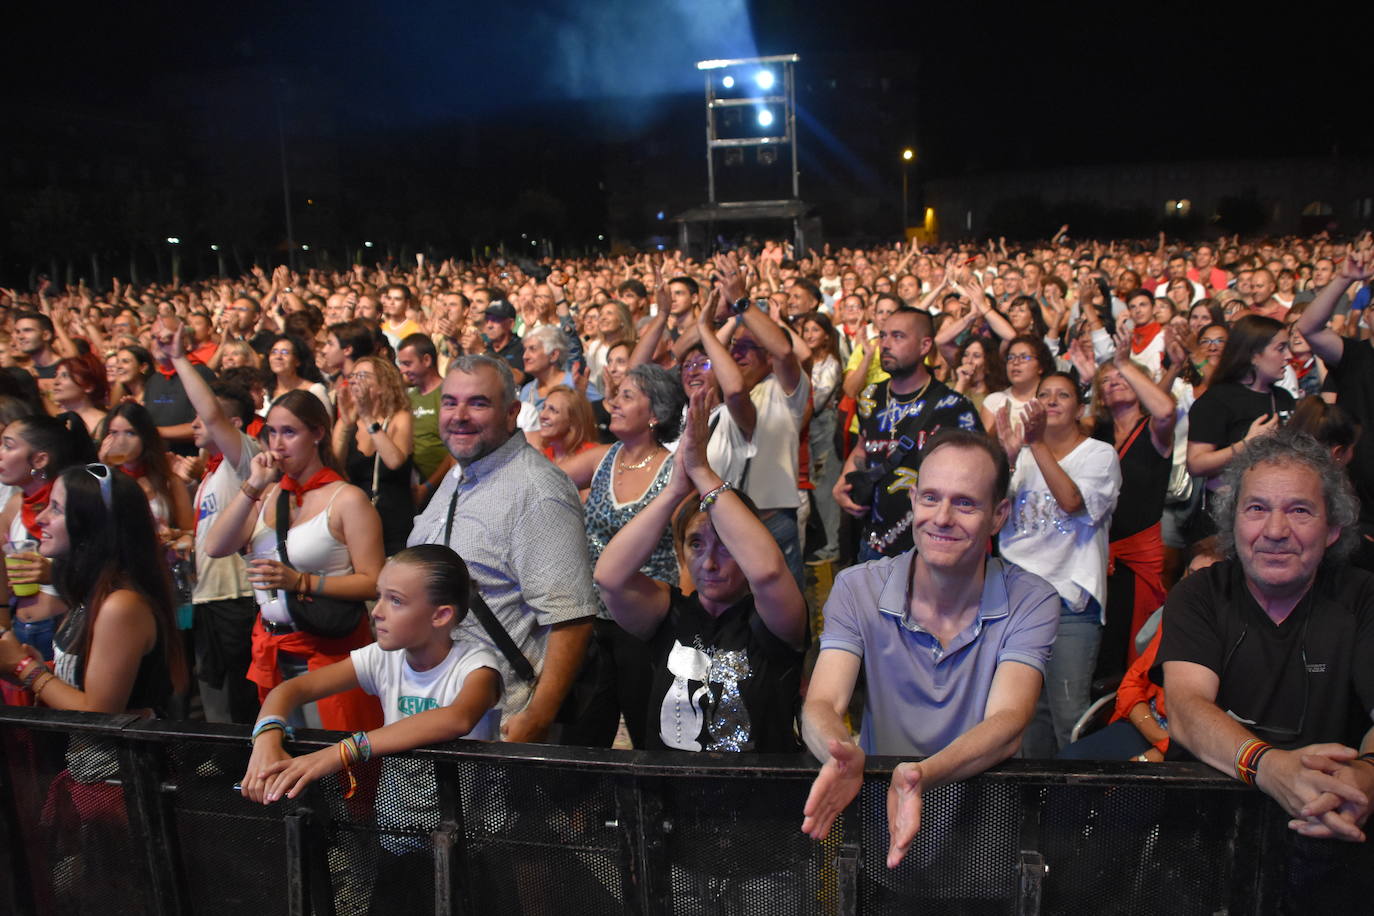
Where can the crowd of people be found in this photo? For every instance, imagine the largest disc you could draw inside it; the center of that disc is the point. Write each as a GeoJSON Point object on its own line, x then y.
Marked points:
{"type": "Point", "coordinates": [533, 502]}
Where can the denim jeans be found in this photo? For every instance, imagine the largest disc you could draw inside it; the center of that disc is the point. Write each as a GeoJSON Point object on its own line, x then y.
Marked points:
{"type": "Point", "coordinates": [782, 524]}
{"type": "Point", "coordinates": [37, 633]}
{"type": "Point", "coordinates": [1068, 681]}
{"type": "Point", "coordinates": [825, 473]}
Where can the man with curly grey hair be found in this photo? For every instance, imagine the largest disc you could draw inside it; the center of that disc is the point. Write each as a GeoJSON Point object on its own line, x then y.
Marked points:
{"type": "Point", "coordinates": [1268, 659]}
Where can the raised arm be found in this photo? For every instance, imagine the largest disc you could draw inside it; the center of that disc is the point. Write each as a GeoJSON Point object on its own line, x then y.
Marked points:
{"type": "Point", "coordinates": [1062, 487]}
{"type": "Point", "coordinates": [1312, 323]}
{"type": "Point", "coordinates": [1157, 402]}
{"type": "Point", "coordinates": [234, 524]}
{"type": "Point", "coordinates": [776, 597]}
{"type": "Point", "coordinates": [637, 602]}
{"type": "Point", "coordinates": [647, 345]}
{"type": "Point", "coordinates": [786, 367]}
{"type": "Point", "coordinates": [226, 436]}
{"type": "Point", "coordinates": [856, 379]}
{"type": "Point", "coordinates": [733, 393]}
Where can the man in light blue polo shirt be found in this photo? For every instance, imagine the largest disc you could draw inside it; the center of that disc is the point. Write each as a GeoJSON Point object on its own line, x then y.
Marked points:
{"type": "Point", "coordinates": [953, 646]}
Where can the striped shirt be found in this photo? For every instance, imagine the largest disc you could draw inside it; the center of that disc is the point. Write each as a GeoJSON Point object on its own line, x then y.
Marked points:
{"type": "Point", "coordinates": [519, 527]}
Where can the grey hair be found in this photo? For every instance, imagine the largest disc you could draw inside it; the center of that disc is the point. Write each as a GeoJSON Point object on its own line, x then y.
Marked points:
{"type": "Point", "coordinates": [1289, 447]}
{"type": "Point", "coordinates": [665, 398]}
{"type": "Point", "coordinates": [552, 339]}
{"type": "Point", "coordinates": [472, 363]}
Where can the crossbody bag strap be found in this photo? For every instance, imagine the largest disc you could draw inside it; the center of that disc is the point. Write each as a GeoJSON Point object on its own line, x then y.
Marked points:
{"type": "Point", "coordinates": [283, 524]}
{"type": "Point", "coordinates": [484, 614]}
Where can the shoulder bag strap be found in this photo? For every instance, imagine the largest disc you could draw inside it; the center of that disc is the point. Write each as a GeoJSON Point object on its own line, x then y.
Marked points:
{"type": "Point", "coordinates": [283, 524]}
{"type": "Point", "coordinates": [478, 605]}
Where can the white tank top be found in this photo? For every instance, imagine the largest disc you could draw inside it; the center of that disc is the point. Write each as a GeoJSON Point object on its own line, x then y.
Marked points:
{"type": "Point", "coordinates": [312, 549]}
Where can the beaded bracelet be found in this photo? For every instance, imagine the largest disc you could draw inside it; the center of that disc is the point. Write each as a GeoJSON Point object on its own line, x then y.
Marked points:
{"type": "Point", "coordinates": [709, 499]}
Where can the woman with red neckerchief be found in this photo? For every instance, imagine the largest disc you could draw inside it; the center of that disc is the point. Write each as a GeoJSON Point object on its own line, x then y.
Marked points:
{"type": "Point", "coordinates": [334, 543]}
{"type": "Point", "coordinates": [129, 441]}
{"type": "Point", "coordinates": [33, 451]}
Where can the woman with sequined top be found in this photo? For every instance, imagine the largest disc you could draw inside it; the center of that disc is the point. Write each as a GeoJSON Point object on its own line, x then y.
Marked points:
{"type": "Point", "coordinates": [623, 478]}
{"type": "Point", "coordinates": [1064, 488]}
{"type": "Point", "coordinates": [726, 661]}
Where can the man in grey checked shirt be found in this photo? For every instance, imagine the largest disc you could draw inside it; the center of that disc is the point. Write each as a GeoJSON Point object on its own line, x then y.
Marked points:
{"type": "Point", "coordinates": [518, 524]}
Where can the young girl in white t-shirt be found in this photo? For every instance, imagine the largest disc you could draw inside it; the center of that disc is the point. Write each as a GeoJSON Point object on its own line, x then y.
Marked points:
{"type": "Point", "coordinates": [432, 689]}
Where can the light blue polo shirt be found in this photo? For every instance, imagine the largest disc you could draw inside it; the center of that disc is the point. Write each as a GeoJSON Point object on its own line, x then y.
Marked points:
{"type": "Point", "coordinates": [920, 696]}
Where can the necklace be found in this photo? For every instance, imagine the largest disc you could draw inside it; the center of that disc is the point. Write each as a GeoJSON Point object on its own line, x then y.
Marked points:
{"type": "Point", "coordinates": [908, 398]}
{"type": "Point", "coordinates": [639, 465]}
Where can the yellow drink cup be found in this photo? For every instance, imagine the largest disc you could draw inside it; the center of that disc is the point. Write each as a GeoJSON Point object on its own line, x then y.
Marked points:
{"type": "Point", "coordinates": [12, 551]}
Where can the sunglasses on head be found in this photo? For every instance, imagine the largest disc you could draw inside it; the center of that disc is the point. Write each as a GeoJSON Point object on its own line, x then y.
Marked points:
{"type": "Point", "coordinates": [102, 473]}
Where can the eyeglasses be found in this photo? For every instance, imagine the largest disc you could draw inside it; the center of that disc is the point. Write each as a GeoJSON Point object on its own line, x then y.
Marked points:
{"type": "Point", "coordinates": [743, 348]}
{"type": "Point", "coordinates": [696, 365]}
{"type": "Point", "coordinates": [361, 377]}
{"type": "Point", "coordinates": [1212, 341]}
{"type": "Point", "coordinates": [287, 352]}
{"type": "Point", "coordinates": [1020, 357]}
{"type": "Point", "coordinates": [102, 473]}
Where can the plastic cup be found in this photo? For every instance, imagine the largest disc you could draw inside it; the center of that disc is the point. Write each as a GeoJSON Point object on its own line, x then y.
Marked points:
{"type": "Point", "coordinates": [12, 551]}
{"type": "Point", "coordinates": [265, 552]}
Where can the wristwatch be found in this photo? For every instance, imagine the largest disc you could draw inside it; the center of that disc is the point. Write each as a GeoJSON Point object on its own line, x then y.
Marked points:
{"type": "Point", "coordinates": [739, 305]}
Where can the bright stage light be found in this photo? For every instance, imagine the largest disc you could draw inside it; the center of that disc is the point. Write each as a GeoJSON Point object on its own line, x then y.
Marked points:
{"type": "Point", "coordinates": [765, 79]}
{"type": "Point", "coordinates": [728, 82]}
{"type": "Point", "coordinates": [765, 118]}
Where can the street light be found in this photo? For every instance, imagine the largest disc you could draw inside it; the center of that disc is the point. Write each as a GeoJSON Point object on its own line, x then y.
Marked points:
{"type": "Point", "coordinates": [908, 156]}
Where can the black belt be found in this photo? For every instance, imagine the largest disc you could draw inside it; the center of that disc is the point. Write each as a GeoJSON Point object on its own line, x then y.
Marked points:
{"type": "Point", "coordinates": [277, 629]}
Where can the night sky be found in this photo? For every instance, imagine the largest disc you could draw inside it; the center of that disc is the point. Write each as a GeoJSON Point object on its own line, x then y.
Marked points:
{"type": "Point", "coordinates": [567, 91]}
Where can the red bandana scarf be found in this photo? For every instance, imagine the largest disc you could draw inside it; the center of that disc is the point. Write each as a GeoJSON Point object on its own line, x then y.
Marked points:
{"type": "Point", "coordinates": [321, 477]}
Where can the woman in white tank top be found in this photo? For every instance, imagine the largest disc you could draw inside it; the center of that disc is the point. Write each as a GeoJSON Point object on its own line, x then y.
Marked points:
{"type": "Point", "coordinates": [334, 543]}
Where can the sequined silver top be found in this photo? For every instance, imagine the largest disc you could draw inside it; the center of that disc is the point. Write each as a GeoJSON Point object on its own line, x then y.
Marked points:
{"type": "Point", "coordinates": [605, 517]}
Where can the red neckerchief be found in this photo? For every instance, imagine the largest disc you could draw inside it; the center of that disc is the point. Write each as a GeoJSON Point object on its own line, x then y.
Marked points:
{"type": "Point", "coordinates": [33, 504]}
{"type": "Point", "coordinates": [135, 470]}
{"type": "Point", "coordinates": [320, 478]}
{"type": "Point", "coordinates": [165, 373]}
{"type": "Point", "coordinates": [1301, 366]}
{"type": "Point", "coordinates": [1141, 337]}
{"type": "Point", "coordinates": [213, 462]}
{"type": "Point", "coordinates": [254, 427]}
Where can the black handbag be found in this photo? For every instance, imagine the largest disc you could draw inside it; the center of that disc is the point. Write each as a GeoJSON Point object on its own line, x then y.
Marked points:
{"type": "Point", "coordinates": [318, 615]}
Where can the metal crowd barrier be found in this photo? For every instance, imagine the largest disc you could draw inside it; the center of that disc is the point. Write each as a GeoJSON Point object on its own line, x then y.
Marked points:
{"type": "Point", "coordinates": [114, 815]}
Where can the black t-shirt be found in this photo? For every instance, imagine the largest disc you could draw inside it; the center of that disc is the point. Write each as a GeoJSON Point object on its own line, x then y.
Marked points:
{"type": "Point", "coordinates": [167, 403]}
{"type": "Point", "coordinates": [884, 419]}
{"type": "Point", "coordinates": [1308, 679]}
{"type": "Point", "coordinates": [513, 353]}
{"type": "Point", "coordinates": [1144, 481]}
{"type": "Point", "coordinates": [1353, 381]}
{"type": "Point", "coordinates": [1222, 416]}
{"type": "Point", "coordinates": [721, 683]}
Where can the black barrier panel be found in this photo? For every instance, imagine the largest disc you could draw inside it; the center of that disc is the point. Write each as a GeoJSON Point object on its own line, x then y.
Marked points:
{"type": "Point", "coordinates": [115, 816]}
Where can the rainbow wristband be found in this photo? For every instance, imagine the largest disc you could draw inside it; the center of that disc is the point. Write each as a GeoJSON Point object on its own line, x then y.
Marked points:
{"type": "Point", "coordinates": [1248, 756]}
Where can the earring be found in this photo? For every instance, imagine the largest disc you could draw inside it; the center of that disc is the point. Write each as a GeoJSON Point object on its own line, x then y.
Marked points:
{"type": "Point", "coordinates": [653, 421]}
{"type": "Point", "coordinates": [38, 474]}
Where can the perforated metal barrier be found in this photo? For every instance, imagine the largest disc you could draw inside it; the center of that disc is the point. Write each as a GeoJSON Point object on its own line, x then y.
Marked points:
{"type": "Point", "coordinates": [113, 815]}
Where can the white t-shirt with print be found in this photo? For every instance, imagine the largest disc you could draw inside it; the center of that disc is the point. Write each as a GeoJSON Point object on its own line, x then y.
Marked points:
{"type": "Point", "coordinates": [407, 796]}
